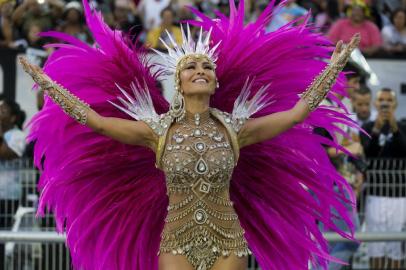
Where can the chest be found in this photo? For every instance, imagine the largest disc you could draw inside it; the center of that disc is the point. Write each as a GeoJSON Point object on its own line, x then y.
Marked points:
{"type": "Point", "coordinates": [197, 154]}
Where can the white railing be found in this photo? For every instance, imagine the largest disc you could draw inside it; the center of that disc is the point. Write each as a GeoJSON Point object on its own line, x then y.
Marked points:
{"type": "Point", "coordinates": [29, 243]}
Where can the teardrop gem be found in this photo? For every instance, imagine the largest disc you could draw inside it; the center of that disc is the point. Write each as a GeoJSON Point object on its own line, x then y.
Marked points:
{"type": "Point", "coordinates": [201, 166]}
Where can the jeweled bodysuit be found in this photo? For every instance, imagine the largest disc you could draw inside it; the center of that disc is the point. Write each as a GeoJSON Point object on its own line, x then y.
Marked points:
{"type": "Point", "coordinates": [198, 161]}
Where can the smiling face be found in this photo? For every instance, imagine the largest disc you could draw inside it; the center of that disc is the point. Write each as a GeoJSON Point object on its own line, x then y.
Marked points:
{"type": "Point", "coordinates": [197, 76]}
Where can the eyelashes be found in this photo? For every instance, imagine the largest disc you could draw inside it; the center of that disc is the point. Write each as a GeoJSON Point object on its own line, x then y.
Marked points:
{"type": "Point", "coordinates": [205, 67]}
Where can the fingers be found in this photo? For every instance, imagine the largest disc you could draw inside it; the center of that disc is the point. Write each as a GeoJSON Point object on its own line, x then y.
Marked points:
{"type": "Point", "coordinates": [23, 61]}
{"type": "Point", "coordinates": [345, 51]}
{"type": "Point", "coordinates": [338, 48]}
{"type": "Point", "coordinates": [355, 40]}
{"type": "Point", "coordinates": [29, 68]}
{"type": "Point", "coordinates": [33, 70]}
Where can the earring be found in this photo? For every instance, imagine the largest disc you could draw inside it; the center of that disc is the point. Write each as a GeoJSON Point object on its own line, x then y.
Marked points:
{"type": "Point", "coordinates": [177, 108]}
{"type": "Point", "coordinates": [217, 84]}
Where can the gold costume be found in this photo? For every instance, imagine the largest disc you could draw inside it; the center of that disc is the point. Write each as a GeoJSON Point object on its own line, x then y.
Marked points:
{"type": "Point", "coordinates": [198, 155]}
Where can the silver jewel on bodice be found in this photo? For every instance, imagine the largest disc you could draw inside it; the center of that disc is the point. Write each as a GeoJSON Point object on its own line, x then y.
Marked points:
{"type": "Point", "coordinates": [200, 216]}
{"type": "Point", "coordinates": [218, 137]}
{"type": "Point", "coordinates": [178, 138]}
{"type": "Point", "coordinates": [197, 132]}
{"type": "Point", "coordinates": [197, 119]}
{"type": "Point", "coordinates": [201, 166]}
{"type": "Point", "coordinates": [200, 146]}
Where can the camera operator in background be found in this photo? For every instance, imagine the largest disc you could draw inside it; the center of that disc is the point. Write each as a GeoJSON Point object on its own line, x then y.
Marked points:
{"type": "Point", "coordinates": [388, 138]}
{"type": "Point", "coordinates": [386, 194]}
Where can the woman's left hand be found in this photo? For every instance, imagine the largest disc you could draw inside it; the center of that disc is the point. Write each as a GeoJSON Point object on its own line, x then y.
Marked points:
{"type": "Point", "coordinates": [342, 52]}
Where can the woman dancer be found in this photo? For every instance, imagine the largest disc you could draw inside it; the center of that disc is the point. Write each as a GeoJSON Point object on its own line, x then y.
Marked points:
{"type": "Point", "coordinates": [196, 146]}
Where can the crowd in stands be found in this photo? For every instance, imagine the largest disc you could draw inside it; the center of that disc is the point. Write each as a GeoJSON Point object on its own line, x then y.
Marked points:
{"type": "Point", "coordinates": [382, 23]}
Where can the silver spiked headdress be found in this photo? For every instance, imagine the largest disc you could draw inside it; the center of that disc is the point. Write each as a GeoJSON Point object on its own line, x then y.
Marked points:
{"type": "Point", "coordinates": [189, 47]}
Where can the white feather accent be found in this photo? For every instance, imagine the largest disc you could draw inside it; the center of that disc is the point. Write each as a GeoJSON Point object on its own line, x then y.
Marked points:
{"type": "Point", "coordinates": [141, 107]}
{"type": "Point", "coordinates": [244, 108]}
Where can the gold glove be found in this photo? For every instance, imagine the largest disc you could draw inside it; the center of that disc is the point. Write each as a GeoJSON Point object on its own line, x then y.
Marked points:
{"type": "Point", "coordinates": [322, 84]}
{"type": "Point", "coordinates": [69, 103]}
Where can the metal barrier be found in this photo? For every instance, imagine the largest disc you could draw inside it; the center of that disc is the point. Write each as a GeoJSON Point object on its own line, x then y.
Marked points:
{"type": "Point", "coordinates": [30, 243]}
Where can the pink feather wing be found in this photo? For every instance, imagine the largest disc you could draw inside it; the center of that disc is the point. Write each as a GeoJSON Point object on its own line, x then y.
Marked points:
{"type": "Point", "coordinates": [109, 197]}
{"type": "Point", "coordinates": [282, 187]}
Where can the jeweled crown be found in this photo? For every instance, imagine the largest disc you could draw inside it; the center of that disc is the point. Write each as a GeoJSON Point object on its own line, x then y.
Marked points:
{"type": "Point", "coordinates": [189, 47]}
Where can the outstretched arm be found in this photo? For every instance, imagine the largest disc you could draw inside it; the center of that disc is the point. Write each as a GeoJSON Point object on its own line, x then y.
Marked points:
{"type": "Point", "coordinates": [122, 130]}
{"type": "Point", "coordinates": [267, 127]}
{"type": "Point", "coordinates": [264, 128]}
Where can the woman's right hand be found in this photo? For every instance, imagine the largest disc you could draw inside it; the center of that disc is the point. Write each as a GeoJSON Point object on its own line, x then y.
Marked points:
{"type": "Point", "coordinates": [36, 73]}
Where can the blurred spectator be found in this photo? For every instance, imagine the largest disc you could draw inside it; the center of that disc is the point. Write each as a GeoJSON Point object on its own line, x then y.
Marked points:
{"type": "Point", "coordinates": [12, 139]}
{"type": "Point", "coordinates": [33, 38]}
{"type": "Point", "coordinates": [346, 165]}
{"type": "Point", "coordinates": [352, 170]}
{"type": "Point", "coordinates": [387, 138]}
{"type": "Point", "coordinates": [153, 35]}
{"type": "Point", "coordinates": [12, 145]}
{"type": "Point", "coordinates": [394, 35]}
{"type": "Point", "coordinates": [127, 19]}
{"type": "Point", "coordinates": [6, 24]}
{"type": "Point", "coordinates": [291, 11]}
{"type": "Point", "coordinates": [353, 76]}
{"type": "Point", "coordinates": [150, 12]}
{"type": "Point", "coordinates": [33, 45]}
{"type": "Point", "coordinates": [43, 13]}
{"type": "Point", "coordinates": [257, 9]}
{"type": "Point", "coordinates": [378, 17]}
{"type": "Point", "coordinates": [329, 13]}
{"type": "Point", "coordinates": [224, 7]}
{"type": "Point", "coordinates": [205, 7]}
{"type": "Point", "coordinates": [73, 22]}
{"type": "Point", "coordinates": [184, 14]}
{"type": "Point", "coordinates": [361, 104]}
{"type": "Point", "coordinates": [386, 204]}
{"type": "Point", "coordinates": [356, 22]}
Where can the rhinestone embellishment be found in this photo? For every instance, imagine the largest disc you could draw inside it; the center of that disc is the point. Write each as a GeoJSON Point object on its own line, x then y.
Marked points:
{"type": "Point", "coordinates": [201, 166]}
{"type": "Point", "coordinates": [178, 138]}
{"type": "Point", "coordinates": [200, 216]}
{"type": "Point", "coordinates": [197, 133]}
{"type": "Point", "coordinates": [200, 147]}
{"type": "Point", "coordinates": [204, 187]}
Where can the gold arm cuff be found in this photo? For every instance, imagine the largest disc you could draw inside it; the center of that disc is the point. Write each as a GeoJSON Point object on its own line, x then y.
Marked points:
{"type": "Point", "coordinates": [70, 104]}
{"type": "Point", "coordinates": [322, 84]}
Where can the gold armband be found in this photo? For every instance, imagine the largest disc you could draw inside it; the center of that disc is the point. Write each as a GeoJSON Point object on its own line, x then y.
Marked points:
{"type": "Point", "coordinates": [322, 84]}
{"type": "Point", "coordinates": [70, 104]}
